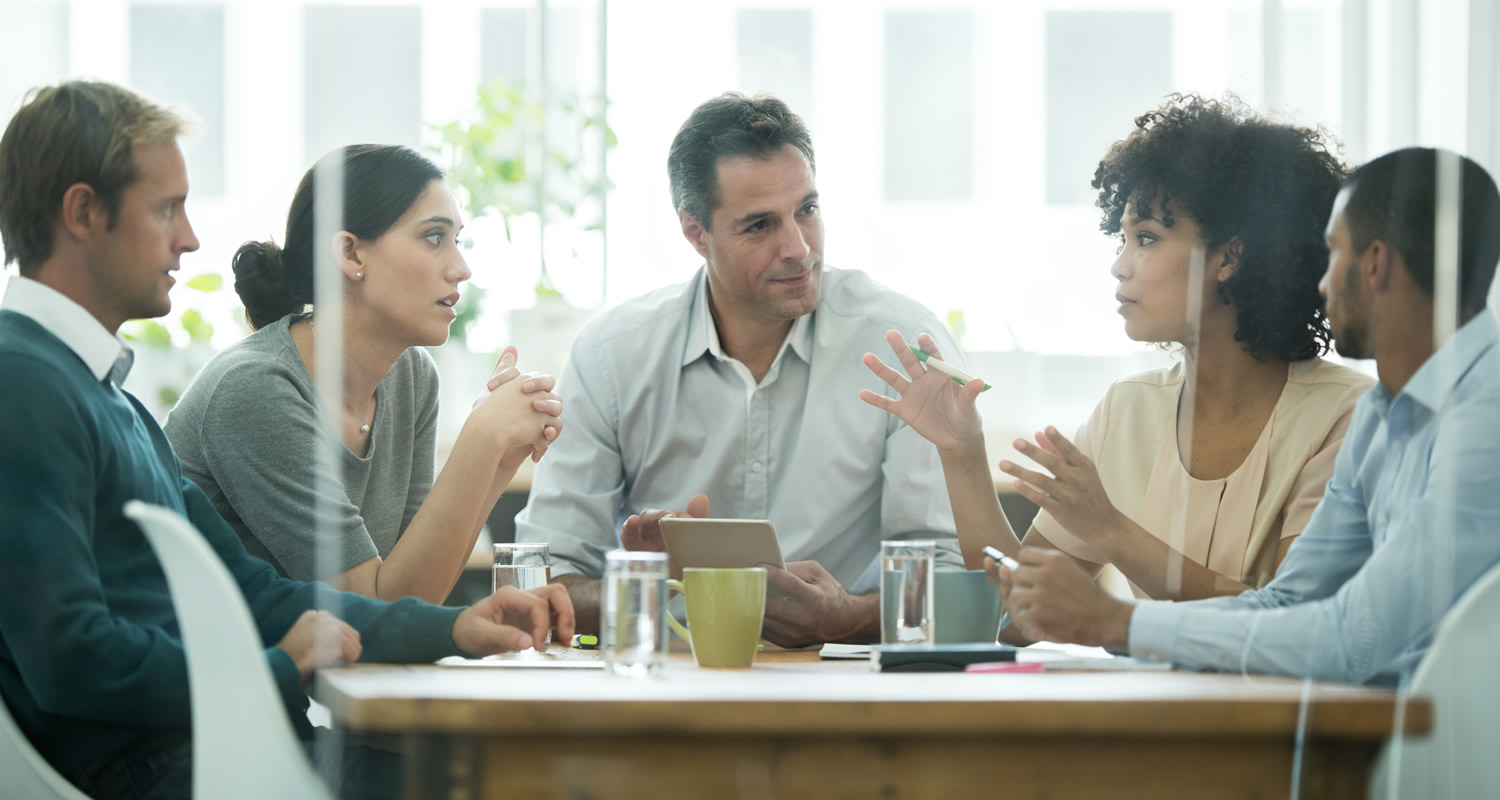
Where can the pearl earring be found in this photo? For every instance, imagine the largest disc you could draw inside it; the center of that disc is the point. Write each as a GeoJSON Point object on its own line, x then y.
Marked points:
{"type": "Point", "coordinates": [359, 274]}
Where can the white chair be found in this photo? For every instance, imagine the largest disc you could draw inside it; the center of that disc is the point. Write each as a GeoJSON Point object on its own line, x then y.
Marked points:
{"type": "Point", "coordinates": [26, 773]}
{"type": "Point", "coordinates": [243, 742]}
{"type": "Point", "coordinates": [1458, 759]}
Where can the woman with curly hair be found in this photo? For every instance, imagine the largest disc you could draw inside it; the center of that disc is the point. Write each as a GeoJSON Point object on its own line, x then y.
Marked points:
{"type": "Point", "coordinates": [1194, 480]}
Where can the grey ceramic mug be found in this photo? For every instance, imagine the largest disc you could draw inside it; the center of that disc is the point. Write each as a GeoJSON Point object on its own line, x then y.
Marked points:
{"type": "Point", "coordinates": [967, 607]}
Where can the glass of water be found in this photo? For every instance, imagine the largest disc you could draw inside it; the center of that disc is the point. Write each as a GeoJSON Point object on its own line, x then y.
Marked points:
{"type": "Point", "coordinates": [632, 613]}
{"type": "Point", "coordinates": [906, 592]}
{"type": "Point", "coordinates": [524, 565]}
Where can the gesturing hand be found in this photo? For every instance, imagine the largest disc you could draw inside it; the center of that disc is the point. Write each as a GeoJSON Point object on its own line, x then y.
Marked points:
{"type": "Point", "coordinates": [1073, 494]}
{"type": "Point", "coordinates": [512, 619]}
{"type": "Point", "coordinates": [814, 608]}
{"type": "Point", "coordinates": [1052, 600]}
{"type": "Point", "coordinates": [933, 404]}
{"type": "Point", "coordinates": [318, 639]}
{"type": "Point", "coordinates": [642, 532]}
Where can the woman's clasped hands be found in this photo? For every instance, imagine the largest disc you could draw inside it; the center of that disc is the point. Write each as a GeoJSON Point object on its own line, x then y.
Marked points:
{"type": "Point", "coordinates": [519, 411]}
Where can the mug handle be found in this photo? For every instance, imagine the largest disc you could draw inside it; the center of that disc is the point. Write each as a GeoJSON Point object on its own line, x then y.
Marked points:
{"type": "Point", "coordinates": [671, 620]}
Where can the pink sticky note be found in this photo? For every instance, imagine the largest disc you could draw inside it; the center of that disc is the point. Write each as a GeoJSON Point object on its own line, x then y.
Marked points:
{"type": "Point", "coordinates": [1006, 667]}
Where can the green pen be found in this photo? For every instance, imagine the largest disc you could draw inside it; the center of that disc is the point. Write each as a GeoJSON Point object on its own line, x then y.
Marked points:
{"type": "Point", "coordinates": [947, 369]}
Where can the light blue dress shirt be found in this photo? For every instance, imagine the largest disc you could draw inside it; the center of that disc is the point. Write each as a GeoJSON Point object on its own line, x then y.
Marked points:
{"type": "Point", "coordinates": [1411, 518]}
{"type": "Point", "coordinates": [656, 412]}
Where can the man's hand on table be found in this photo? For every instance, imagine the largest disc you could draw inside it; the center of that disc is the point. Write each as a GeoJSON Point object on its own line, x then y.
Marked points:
{"type": "Point", "coordinates": [318, 639]}
{"type": "Point", "coordinates": [512, 619]}
{"type": "Point", "coordinates": [642, 532]}
{"type": "Point", "coordinates": [1051, 600]}
{"type": "Point", "coordinates": [815, 608]}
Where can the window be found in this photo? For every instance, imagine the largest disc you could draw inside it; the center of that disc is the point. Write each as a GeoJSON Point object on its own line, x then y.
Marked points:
{"type": "Point", "coordinates": [774, 53]}
{"type": "Point", "coordinates": [929, 106]}
{"type": "Point", "coordinates": [34, 46]}
{"type": "Point", "coordinates": [364, 76]}
{"type": "Point", "coordinates": [177, 57]}
{"type": "Point", "coordinates": [1095, 88]}
{"type": "Point", "coordinates": [502, 44]}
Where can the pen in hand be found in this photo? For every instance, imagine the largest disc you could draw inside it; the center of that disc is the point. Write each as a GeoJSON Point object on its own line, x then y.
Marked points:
{"type": "Point", "coordinates": [1001, 558]}
{"type": "Point", "coordinates": [944, 367]}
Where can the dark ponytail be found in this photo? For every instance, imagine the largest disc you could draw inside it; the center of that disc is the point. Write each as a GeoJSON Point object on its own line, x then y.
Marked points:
{"type": "Point", "coordinates": [380, 183]}
{"type": "Point", "coordinates": [261, 281]}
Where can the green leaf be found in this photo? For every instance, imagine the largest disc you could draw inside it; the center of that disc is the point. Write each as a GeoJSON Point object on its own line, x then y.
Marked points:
{"type": "Point", "coordinates": [151, 334]}
{"type": "Point", "coordinates": [197, 329]}
{"type": "Point", "coordinates": [207, 282]}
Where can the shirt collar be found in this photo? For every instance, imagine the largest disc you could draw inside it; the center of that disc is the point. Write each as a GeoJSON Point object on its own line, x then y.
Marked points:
{"type": "Point", "coordinates": [1436, 379]}
{"type": "Point", "coordinates": [703, 335]}
{"type": "Point", "coordinates": [72, 324]}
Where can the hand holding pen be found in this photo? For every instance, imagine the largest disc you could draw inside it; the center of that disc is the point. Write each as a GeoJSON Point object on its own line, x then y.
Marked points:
{"type": "Point", "coordinates": [937, 405]}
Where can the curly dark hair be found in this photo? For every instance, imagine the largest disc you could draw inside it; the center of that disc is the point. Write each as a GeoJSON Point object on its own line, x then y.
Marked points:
{"type": "Point", "coordinates": [1238, 174]}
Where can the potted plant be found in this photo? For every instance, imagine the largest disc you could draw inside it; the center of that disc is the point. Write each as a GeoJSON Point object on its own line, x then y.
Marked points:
{"type": "Point", "coordinates": [170, 351]}
{"type": "Point", "coordinates": [522, 157]}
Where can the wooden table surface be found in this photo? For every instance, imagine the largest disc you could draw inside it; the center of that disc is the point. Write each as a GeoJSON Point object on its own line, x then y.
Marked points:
{"type": "Point", "coordinates": [832, 729]}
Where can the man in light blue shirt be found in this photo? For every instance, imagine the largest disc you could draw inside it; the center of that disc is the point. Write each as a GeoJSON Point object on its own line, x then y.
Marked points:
{"type": "Point", "coordinates": [743, 384]}
{"type": "Point", "coordinates": [1411, 517]}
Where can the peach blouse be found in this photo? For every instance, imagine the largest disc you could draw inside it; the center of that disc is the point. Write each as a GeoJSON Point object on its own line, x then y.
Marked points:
{"type": "Point", "coordinates": [1232, 525]}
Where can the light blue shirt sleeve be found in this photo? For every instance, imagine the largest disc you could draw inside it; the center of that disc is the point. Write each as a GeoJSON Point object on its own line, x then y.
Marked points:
{"type": "Point", "coordinates": [579, 485]}
{"type": "Point", "coordinates": [1405, 527]}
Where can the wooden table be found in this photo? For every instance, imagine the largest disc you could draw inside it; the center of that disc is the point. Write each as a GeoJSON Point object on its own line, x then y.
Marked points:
{"type": "Point", "coordinates": [796, 727]}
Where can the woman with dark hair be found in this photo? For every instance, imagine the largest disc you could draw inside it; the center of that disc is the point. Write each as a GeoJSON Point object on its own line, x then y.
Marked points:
{"type": "Point", "coordinates": [1193, 480]}
{"type": "Point", "coordinates": [249, 427]}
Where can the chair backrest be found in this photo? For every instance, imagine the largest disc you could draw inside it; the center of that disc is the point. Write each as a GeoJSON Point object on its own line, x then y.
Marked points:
{"type": "Point", "coordinates": [1458, 759]}
{"type": "Point", "coordinates": [243, 743]}
{"type": "Point", "coordinates": [26, 773]}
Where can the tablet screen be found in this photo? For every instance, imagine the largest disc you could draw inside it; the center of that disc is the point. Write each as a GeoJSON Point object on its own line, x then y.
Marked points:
{"type": "Point", "coordinates": [719, 543]}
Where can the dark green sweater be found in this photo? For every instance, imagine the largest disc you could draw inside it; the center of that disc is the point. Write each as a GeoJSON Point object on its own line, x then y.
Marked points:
{"type": "Point", "coordinates": [90, 655]}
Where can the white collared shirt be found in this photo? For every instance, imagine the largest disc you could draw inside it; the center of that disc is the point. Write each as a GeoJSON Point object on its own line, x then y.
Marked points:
{"type": "Point", "coordinates": [658, 412]}
{"type": "Point", "coordinates": [60, 316]}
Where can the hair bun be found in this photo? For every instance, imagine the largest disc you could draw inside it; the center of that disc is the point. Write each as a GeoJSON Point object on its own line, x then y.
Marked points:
{"type": "Point", "coordinates": [259, 280]}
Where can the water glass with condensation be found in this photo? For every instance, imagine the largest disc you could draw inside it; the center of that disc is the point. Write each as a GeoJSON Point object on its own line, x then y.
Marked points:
{"type": "Point", "coordinates": [632, 613]}
{"type": "Point", "coordinates": [524, 565]}
{"type": "Point", "coordinates": [906, 592]}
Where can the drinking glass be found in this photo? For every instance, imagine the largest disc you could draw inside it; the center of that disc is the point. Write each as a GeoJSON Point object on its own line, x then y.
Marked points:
{"type": "Point", "coordinates": [906, 592]}
{"type": "Point", "coordinates": [632, 613]}
{"type": "Point", "coordinates": [524, 565]}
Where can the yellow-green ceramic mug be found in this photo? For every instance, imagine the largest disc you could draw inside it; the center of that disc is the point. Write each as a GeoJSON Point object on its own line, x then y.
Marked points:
{"type": "Point", "coordinates": [725, 609]}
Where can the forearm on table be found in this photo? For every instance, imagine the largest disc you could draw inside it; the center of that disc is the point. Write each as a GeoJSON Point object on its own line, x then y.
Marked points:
{"type": "Point", "coordinates": [431, 553]}
{"type": "Point", "coordinates": [864, 620]}
{"type": "Point", "coordinates": [585, 594]}
{"type": "Point", "coordinates": [1150, 564]}
{"type": "Point", "coordinates": [977, 513]}
{"type": "Point", "coordinates": [497, 487]}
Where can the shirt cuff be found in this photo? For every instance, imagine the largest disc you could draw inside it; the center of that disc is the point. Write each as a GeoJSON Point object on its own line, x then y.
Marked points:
{"type": "Point", "coordinates": [1153, 630]}
{"type": "Point", "coordinates": [561, 567]}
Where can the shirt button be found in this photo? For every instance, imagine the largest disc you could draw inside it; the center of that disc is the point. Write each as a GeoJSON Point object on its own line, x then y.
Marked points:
{"type": "Point", "coordinates": [755, 467]}
{"type": "Point", "coordinates": [1384, 519]}
{"type": "Point", "coordinates": [758, 393]}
